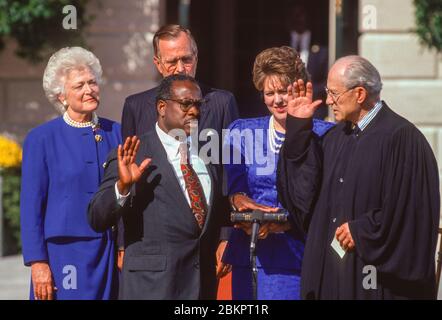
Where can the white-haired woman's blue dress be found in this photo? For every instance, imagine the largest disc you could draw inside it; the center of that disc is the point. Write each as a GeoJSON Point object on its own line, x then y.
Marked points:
{"type": "Point", "coordinates": [62, 168]}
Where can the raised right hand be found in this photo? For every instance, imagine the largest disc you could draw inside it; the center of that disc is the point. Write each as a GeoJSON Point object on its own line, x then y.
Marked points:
{"type": "Point", "coordinates": [300, 99]}
{"type": "Point", "coordinates": [42, 281]}
{"type": "Point", "coordinates": [129, 172]}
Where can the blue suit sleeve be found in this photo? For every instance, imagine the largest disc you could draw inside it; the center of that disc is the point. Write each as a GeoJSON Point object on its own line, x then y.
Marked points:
{"type": "Point", "coordinates": [321, 127]}
{"type": "Point", "coordinates": [33, 198]}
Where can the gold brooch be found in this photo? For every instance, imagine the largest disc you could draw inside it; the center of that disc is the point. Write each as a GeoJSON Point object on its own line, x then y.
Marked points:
{"type": "Point", "coordinates": [98, 138]}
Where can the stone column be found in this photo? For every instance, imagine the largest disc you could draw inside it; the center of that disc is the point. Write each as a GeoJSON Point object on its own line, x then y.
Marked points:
{"type": "Point", "coordinates": [411, 73]}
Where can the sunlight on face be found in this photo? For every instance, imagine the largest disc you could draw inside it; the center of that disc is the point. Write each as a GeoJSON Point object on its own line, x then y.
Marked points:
{"type": "Point", "coordinates": [176, 56]}
{"type": "Point", "coordinates": [275, 96]}
{"type": "Point", "coordinates": [82, 93]}
{"type": "Point", "coordinates": [340, 99]}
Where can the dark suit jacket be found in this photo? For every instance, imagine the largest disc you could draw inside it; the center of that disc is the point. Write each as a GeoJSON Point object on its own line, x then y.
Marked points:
{"type": "Point", "coordinates": [140, 116]}
{"type": "Point", "coordinates": [167, 256]}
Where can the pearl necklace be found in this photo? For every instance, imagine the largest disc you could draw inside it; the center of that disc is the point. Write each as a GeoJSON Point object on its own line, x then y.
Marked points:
{"type": "Point", "coordinates": [275, 142]}
{"type": "Point", "coordinates": [93, 123]}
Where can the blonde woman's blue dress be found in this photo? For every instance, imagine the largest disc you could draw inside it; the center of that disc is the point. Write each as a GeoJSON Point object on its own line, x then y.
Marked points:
{"type": "Point", "coordinates": [279, 256]}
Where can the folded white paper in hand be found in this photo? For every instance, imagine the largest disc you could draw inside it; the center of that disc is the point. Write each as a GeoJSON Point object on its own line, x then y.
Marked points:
{"type": "Point", "coordinates": [337, 247]}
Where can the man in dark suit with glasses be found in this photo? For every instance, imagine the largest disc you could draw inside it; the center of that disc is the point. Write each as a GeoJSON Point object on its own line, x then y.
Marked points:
{"type": "Point", "coordinates": [176, 52]}
{"type": "Point", "coordinates": [168, 199]}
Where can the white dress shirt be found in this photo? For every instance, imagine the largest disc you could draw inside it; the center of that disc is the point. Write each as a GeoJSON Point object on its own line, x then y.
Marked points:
{"type": "Point", "coordinates": [171, 146]}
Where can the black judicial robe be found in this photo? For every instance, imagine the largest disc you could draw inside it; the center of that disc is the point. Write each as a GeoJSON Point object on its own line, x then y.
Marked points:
{"type": "Point", "coordinates": [384, 182]}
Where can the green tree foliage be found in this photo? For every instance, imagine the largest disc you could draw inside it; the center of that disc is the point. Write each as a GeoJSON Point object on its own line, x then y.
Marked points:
{"type": "Point", "coordinates": [429, 22]}
{"type": "Point", "coordinates": [37, 27]}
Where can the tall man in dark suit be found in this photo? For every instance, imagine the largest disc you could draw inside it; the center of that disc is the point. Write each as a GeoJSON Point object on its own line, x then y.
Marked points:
{"type": "Point", "coordinates": [176, 52]}
{"type": "Point", "coordinates": [168, 199]}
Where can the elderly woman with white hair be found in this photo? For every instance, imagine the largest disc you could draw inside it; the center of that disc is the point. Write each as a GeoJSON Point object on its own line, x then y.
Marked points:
{"type": "Point", "coordinates": [63, 162]}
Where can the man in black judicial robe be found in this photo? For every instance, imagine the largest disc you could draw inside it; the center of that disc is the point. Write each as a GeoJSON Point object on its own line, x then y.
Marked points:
{"type": "Point", "coordinates": [371, 183]}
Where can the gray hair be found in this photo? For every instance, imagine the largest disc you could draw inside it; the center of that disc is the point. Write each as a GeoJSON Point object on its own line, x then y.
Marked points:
{"type": "Point", "coordinates": [172, 31]}
{"type": "Point", "coordinates": [60, 64]}
{"type": "Point", "coordinates": [359, 72]}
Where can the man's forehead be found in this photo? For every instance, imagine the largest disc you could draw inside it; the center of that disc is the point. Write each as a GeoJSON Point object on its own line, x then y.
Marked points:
{"type": "Point", "coordinates": [339, 68]}
{"type": "Point", "coordinates": [185, 87]}
{"type": "Point", "coordinates": [169, 45]}
{"type": "Point", "coordinates": [335, 78]}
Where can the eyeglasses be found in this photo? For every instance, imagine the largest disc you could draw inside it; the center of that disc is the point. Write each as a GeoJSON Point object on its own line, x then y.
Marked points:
{"type": "Point", "coordinates": [186, 104]}
{"type": "Point", "coordinates": [335, 96]}
{"type": "Point", "coordinates": [173, 63]}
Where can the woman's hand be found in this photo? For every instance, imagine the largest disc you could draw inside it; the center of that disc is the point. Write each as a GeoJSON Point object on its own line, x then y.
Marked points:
{"type": "Point", "coordinates": [300, 99]}
{"type": "Point", "coordinates": [222, 269]}
{"type": "Point", "coordinates": [244, 203]}
{"type": "Point", "coordinates": [278, 227]}
{"type": "Point", "coordinates": [42, 281]}
{"type": "Point", "coordinates": [120, 259]}
{"type": "Point", "coordinates": [129, 172]}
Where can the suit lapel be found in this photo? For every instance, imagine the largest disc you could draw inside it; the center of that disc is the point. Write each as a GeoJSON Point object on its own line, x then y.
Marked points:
{"type": "Point", "coordinates": [155, 150]}
{"type": "Point", "coordinates": [165, 169]}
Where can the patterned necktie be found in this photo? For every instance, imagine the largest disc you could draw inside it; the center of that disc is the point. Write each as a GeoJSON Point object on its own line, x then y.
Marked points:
{"type": "Point", "coordinates": [193, 187]}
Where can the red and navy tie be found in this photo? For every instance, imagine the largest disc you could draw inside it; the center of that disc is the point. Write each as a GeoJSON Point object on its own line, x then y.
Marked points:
{"type": "Point", "coordinates": [193, 186]}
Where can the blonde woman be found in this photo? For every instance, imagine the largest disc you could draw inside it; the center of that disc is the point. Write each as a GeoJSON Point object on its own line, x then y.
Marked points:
{"type": "Point", "coordinates": [252, 185]}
